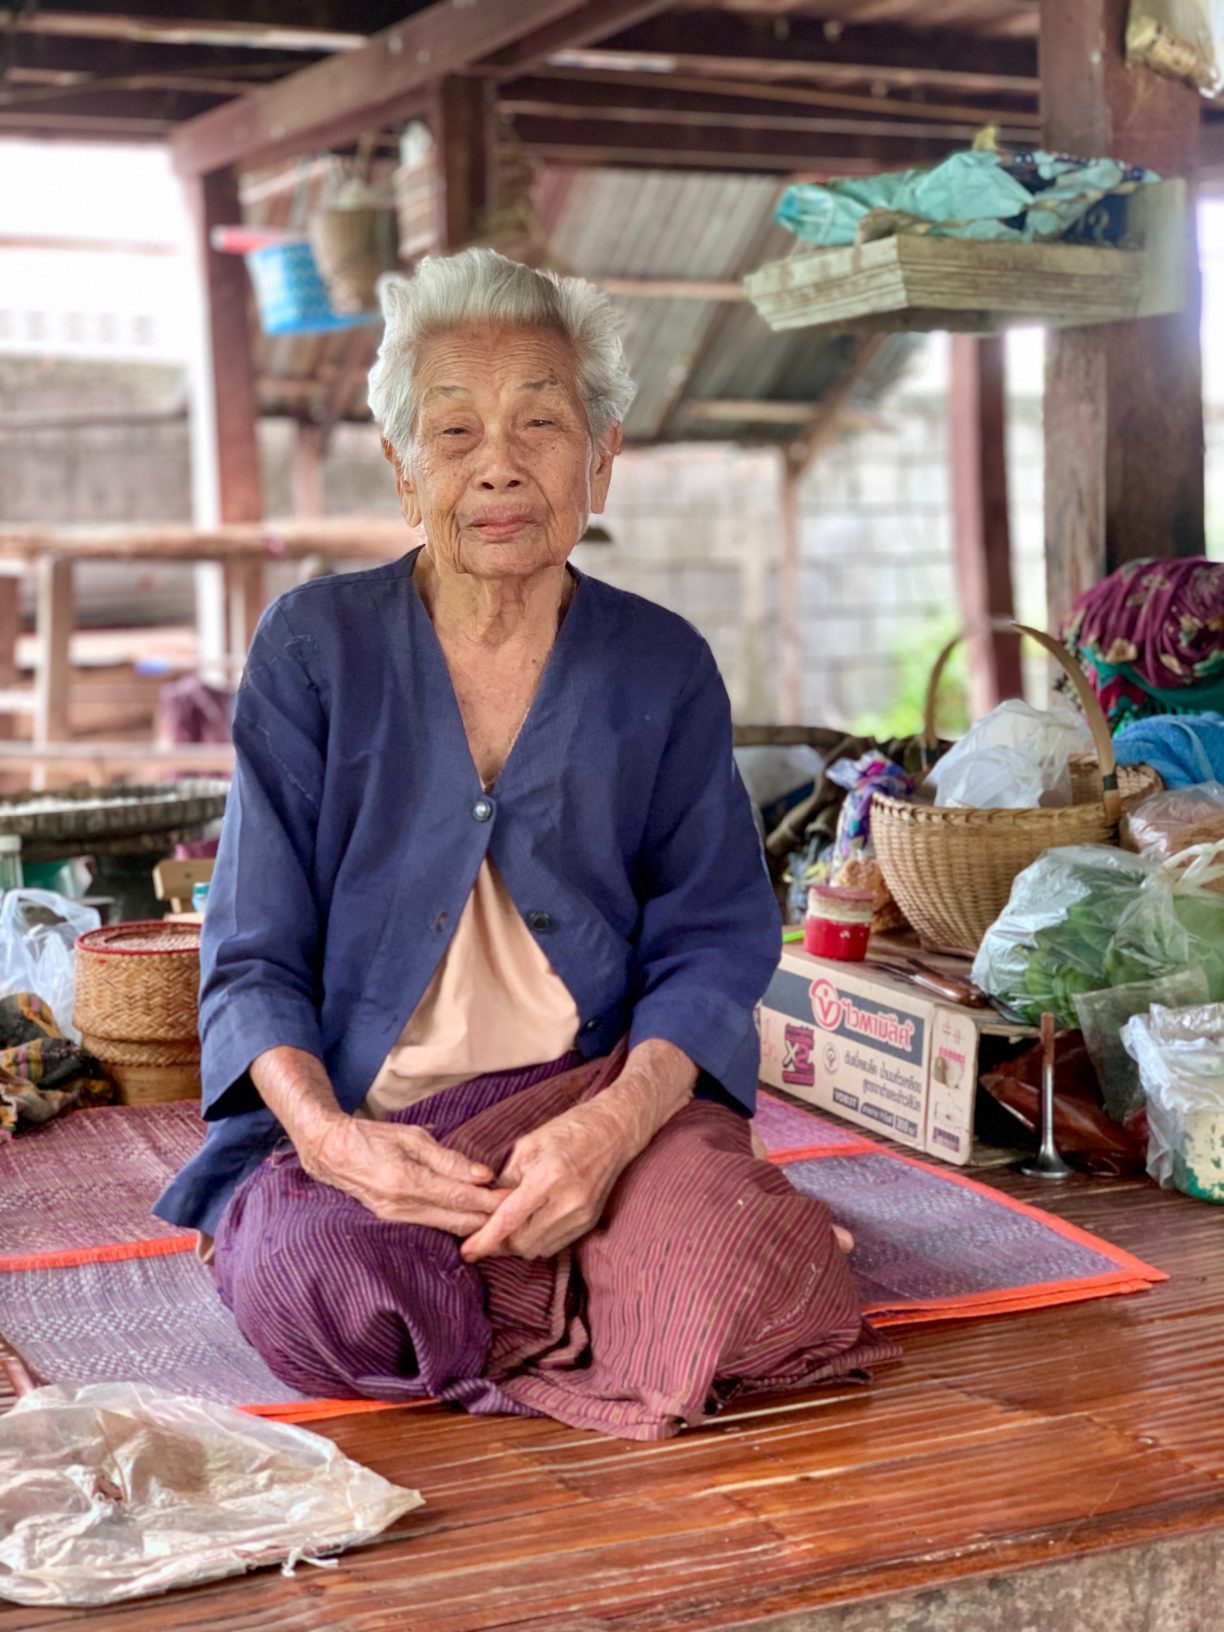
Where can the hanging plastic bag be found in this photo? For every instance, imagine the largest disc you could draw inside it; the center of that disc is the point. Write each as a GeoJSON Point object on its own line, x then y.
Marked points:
{"type": "Point", "coordinates": [1053, 939]}
{"type": "Point", "coordinates": [1016, 758]}
{"type": "Point", "coordinates": [1177, 819]}
{"type": "Point", "coordinates": [118, 1490]}
{"type": "Point", "coordinates": [1183, 39]}
{"type": "Point", "coordinates": [38, 935]}
{"type": "Point", "coordinates": [1180, 1055]}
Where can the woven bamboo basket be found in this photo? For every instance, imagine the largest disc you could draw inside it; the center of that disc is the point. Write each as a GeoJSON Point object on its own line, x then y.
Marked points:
{"type": "Point", "coordinates": [137, 1007]}
{"type": "Point", "coordinates": [951, 871]}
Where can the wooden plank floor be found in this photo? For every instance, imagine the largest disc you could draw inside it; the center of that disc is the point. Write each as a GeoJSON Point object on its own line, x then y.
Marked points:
{"type": "Point", "coordinates": [993, 1445]}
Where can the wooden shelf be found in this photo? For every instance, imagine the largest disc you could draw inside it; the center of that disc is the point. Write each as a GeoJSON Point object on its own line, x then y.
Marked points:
{"type": "Point", "coordinates": [920, 282]}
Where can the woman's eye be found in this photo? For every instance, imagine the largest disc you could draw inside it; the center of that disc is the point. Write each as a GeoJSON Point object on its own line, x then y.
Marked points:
{"type": "Point", "coordinates": [455, 430]}
{"type": "Point", "coordinates": [536, 423]}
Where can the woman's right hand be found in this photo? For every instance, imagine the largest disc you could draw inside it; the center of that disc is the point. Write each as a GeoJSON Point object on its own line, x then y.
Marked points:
{"type": "Point", "coordinates": [401, 1174]}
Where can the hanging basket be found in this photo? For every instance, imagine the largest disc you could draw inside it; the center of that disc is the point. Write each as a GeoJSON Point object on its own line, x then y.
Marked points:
{"type": "Point", "coordinates": [353, 247]}
{"type": "Point", "coordinates": [290, 294]}
{"type": "Point", "coordinates": [951, 870]}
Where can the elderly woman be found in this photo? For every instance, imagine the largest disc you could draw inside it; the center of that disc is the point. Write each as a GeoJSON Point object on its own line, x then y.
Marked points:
{"type": "Point", "coordinates": [487, 929]}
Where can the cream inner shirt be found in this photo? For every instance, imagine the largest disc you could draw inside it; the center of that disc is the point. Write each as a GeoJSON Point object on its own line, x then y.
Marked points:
{"type": "Point", "coordinates": [495, 1003]}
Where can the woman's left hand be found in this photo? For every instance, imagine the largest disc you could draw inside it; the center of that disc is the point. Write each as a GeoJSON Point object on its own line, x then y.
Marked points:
{"type": "Point", "coordinates": [559, 1176]}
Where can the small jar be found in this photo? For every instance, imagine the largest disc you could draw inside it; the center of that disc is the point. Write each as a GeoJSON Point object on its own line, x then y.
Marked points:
{"type": "Point", "coordinates": [199, 897]}
{"type": "Point", "coordinates": [10, 861]}
{"type": "Point", "coordinates": [838, 923]}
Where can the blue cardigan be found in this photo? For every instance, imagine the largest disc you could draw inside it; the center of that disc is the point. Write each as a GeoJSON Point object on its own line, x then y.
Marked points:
{"type": "Point", "coordinates": [356, 826]}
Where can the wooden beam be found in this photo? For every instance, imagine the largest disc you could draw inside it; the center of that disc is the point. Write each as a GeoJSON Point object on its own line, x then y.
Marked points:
{"type": "Point", "coordinates": [338, 100]}
{"type": "Point", "coordinates": [107, 56]}
{"type": "Point", "coordinates": [802, 48]}
{"type": "Point", "coordinates": [1124, 406]}
{"type": "Point", "coordinates": [356, 538]}
{"type": "Point", "coordinates": [10, 629]}
{"type": "Point", "coordinates": [977, 448]}
{"type": "Point", "coordinates": [1012, 116]}
{"type": "Point", "coordinates": [699, 144]}
{"type": "Point", "coordinates": [590, 22]}
{"type": "Point", "coordinates": [185, 31]}
{"type": "Point", "coordinates": [618, 105]}
{"type": "Point", "coordinates": [463, 120]}
{"type": "Point", "coordinates": [753, 411]}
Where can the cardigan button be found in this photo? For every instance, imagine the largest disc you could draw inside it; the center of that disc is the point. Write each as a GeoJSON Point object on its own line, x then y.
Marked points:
{"type": "Point", "coordinates": [482, 810]}
{"type": "Point", "coordinates": [539, 921]}
{"type": "Point", "coordinates": [590, 1025]}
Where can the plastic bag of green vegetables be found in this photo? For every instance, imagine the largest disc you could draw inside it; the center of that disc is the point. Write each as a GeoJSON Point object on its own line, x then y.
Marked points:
{"type": "Point", "coordinates": [1054, 937]}
{"type": "Point", "coordinates": [1175, 922]}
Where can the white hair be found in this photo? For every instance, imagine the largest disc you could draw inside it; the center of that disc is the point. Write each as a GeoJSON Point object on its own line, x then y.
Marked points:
{"type": "Point", "coordinates": [481, 286]}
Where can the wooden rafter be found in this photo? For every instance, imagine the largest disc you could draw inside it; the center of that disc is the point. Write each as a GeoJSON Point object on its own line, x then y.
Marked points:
{"type": "Point", "coordinates": [700, 144]}
{"type": "Point", "coordinates": [184, 31]}
{"type": "Point", "coordinates": [590, 22]}
{"type": "Point", "coordinates": [340, 99]}
{"type": "Point", "coordinates": [751, 47]}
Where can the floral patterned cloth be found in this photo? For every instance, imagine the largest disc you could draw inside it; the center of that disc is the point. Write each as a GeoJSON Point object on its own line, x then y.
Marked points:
{"type": "Point", "coordinates": [1150, 638]}
{"type": "Point", "coordinates": [41, 1071]}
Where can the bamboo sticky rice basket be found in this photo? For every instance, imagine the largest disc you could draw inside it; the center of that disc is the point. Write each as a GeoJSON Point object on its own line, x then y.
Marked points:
{"type": "Point", "coordinates": [137, 1007]}
{"type": "Point", "coordinates": [951, 870]}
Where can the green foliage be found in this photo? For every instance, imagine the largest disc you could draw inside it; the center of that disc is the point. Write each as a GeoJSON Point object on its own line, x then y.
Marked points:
{"type": "Point", "coordinates": [914, 657]}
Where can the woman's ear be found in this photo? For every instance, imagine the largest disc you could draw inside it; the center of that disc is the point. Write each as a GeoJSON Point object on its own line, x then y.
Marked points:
{"type": "Point", "coordinates": [405, 488]}
{"type": "Point", "coordinates": [606, 451]}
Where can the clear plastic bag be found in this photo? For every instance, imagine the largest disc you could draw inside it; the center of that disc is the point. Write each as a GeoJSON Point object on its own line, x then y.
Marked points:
{"type": "Point", "coordinates": [38, 935]}
{"type": "Point", "coordinates": [1183, 39]}
{"type": "Point", "coordinates": [1177, 819]}
{"type": "Point", "coordinates": [1016, 758]}
{"type": "Point", "coordinates": [1102, 1015]}
{"type": "Point", "coordinates": [118, 1490]}
{"type": "Point", "coordinates": [1175, 922]}
{"type": "Point", "coordinates": [1180, 1055]}
{"type": "Point", "coordinates": [1053, 939]}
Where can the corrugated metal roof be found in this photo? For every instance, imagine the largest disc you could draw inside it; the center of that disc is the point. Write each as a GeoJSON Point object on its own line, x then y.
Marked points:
{"type": "Point", "coordinates": [625, 224]}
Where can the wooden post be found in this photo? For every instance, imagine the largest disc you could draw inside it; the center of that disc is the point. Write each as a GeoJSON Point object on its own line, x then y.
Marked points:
{"type": "Point", "coordinates": [464, 125]}
{"type": "Point", "coordinates": [226, 484]}
{"type": "Point", "coordinates": [977, 447]}
{"type": "Point", "coordinates": [10, 629]}
{"type": "Point", "coordinates": [308, 470]}
{"type": "Point", "coordinates": [1124, 402]}
{"type": "Point", "coordinates": [54, 661]}
{"type": "Point", "coordinates": [790, 613]}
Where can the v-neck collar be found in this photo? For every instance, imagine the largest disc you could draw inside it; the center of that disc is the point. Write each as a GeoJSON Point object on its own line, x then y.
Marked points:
{"type": "Point", "coordinates": [436, 658]}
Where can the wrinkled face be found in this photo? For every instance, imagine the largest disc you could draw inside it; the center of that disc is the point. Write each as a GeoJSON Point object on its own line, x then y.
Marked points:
{"type": "Point", "coordinates": [503, 474]}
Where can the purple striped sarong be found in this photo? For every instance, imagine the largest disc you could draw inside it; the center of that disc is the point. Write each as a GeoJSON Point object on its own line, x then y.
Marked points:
{"type": "Point", "coordinates": [708, 1275]}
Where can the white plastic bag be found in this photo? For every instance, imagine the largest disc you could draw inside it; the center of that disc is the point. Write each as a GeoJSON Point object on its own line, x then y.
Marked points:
{"type": "Point", "coordinates": [1180, 1055]}
{"type": "Point", "coordinates": [118, 1490]}
{"type": "Point", "coordinates": [1016, 758]}
{"type": "Point", "coordinates": [1183, 39]}
{"type": "Point", "coordinates": [38, 935]}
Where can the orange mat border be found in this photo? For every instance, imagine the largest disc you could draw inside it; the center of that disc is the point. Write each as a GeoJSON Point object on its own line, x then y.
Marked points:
{"type": "Point", "coordinates": [1130, 1275]}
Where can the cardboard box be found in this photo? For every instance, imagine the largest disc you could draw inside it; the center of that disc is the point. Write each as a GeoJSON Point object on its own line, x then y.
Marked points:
{"type": "Point", "coordinates": [876, 1052]}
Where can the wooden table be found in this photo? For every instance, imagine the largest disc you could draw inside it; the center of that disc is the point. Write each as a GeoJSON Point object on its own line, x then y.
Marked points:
{"type": "Point", "coordinates": [244, 552]}
{"type": "Point", "coordinates": [1063, 1468]}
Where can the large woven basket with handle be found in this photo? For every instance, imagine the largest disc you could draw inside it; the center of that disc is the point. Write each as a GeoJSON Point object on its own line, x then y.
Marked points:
{"type": "Point", "coordinates": [951, 870]}
{"type": "Point", "coordinates": [137, 1007]}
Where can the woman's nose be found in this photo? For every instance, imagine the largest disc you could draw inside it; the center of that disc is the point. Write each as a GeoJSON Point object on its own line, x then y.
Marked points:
{"type": "Point", "coordinates": [498, 471]}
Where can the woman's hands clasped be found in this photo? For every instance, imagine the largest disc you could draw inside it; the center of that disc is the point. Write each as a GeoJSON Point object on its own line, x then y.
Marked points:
{"type": "Point", "coordinates": [402, 1174]}
{"type": "Point", "coordinates": [558, 1177]}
